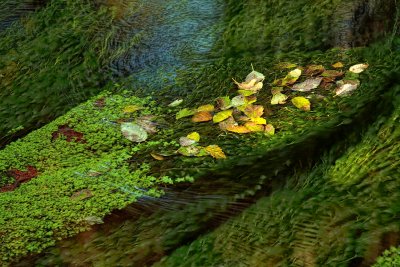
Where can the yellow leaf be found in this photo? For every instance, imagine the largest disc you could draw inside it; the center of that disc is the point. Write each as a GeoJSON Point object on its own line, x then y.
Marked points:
{"type": "Point", "coordinates": [292, 77]}
{"type": "Point", "coordinates": [157, 156]}
{"type": "Point", "coordinates": [222, 115]}
{"type": "Point", "coordinates": [215, 151]}
{"type": "Point", "coordinates": [269, 129]}
{"type": "Point", "coordinates": [302, 103]}
{"type": "Point", "coordinates": [131, 108]}
{"type": "Point", "coordinates": [246, 92]}
{"type": "Point", "coordinates": [286, 65]}
{"type": "Point", "coordinates": [208, 108]}
{"type": "Point", "coordinates": [202, 116]}
{"type": "Point", "coordinates": [194, 136]}
{"type": "Point", "coordinates": [260, 121]}
{"type": "Point", "coordinates": [250, 99]}
{"type": "Point", "coordinates": [338, 65]}
{"type": "Point", "coordinates": [238, 129]}
{"type": "Point", "coordinates": [224, 124]}
{"type": "Point", "coordinates": [254, 111]}
{"type": "Point", "coordinates": [254, 127]}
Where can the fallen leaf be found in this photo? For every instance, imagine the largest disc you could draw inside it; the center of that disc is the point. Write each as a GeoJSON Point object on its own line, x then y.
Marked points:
{"type": "Point", "coordinates": [260, 121]}
{"type": "Point", "coordinates": [184, 113]}
{"type": "Point", "coordinates": [223, 102]}
{"type": "Point", "coordinates": [194, 136]}
{"type": "Point", "coordinates": [146, 123]}
{"type": "Point", "coordinates": [239, 100]}
{"type": "Point", "coordinates": [246, 92]}
{"type": "Point", "coordinates": [216, 152]}
{"type": "Point", "coordinates": [185, 141]}
{"type": "Point", "coordinates": [346, 87]}
{"type": "Point", "coordinates": [358, 68]}
{"type": "Point", "coordinates": [314, 70]}
{"type": "Point", "coordinates": [222, 115]}
{"type": "Point", "coordinates": [82, 194]}
{"type": "Point", "coordinates": [307, 85]}
{"type": "Point", "coordinates": [189, 151]}
{"type": "Point", "coordinates": [238, 129]}
{"type": "Point", "coordinates": [302, 103]}
{"type": "Point", "coordinates": [176, 103]}
{"type": "Point", "coordinates": [157, 156]}
{"type": "Point", "coordinates": [334, 74]}
{"type": "Point", "coordinates": [250, 99]}
{"type": "Point", "coordinates": [131, 108]}
{"type": "Point", "coordinates": [253, 127]}
{"type": "Point", "coordinates": [254, 111]}
{"type": "Point", "coordinates": [251, 85]}
{"type": "Point", "coordinates": [259, 77]}
{"type": "Point", "coordinates": [277, 96]}
{"type": "Point", "coordinates": [208, 108]}
{"type": "Point", "coordinates": [292, 77]}
{"type": "Point", "coordinates": [202, 116]}
{"type": "Point", "coordinates": [269, 129]}
{"type": "Point", "coordinates": [224, 124]}
{"type": "Point", "coordinates": [92, 173]}
{"type": "Point", "coordinates": [133, 132]}
{"type": "Point", "coordinates": [338, 65]}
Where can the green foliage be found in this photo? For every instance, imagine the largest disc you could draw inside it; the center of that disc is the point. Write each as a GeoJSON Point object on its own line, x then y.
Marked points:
{"type": "Point", "coordinates": [390, 258]}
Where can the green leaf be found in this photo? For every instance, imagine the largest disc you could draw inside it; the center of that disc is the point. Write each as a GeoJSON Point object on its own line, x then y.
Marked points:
{"type": "Point", "coordinates": [222, 115]}
{"type": "Point", "coordinates": [185, 113]}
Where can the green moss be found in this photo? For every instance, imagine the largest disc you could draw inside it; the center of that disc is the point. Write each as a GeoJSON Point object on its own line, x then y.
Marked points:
{"type": "Point", "coordinates": [390, 258]}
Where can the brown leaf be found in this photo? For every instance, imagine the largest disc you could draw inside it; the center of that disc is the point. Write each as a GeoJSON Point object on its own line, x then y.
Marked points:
{"type": "Point", "coordinates": [254, 111]}
{"type": "Point", "coordinates": [202, 116]}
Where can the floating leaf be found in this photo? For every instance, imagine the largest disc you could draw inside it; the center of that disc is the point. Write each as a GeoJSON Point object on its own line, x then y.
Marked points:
{"type": "Point", "coordinates": [131, 108]}
{"type": "Point", "coordinates": [185, 141]}
{"type": "Point", "coordinates": [358, 68]}
{"type": "Point", "coordinates": [208, 108]}
{"type": "Point", "coordinates": [133, 132]}
{"type": "Point", "coordinates": [176, 103]}
{"type": "Point", "coordinates": [238, 129]}
{"type": "Point", "coordinates": [246, 92]}
{"type": "Point", "coordinates": [238, 101]}
{"type": "Point", "coordinates": [260, 121]}
{"type": "Point", "coordinates": [222, 115]}
{"type": "Point", "coordinates": [184, 113]}
{"type": "Point", "coordinates": [253, 127]}
{"type": "Point", "coordinates": [189, 151]}
{"type": "Point", "coordinates": [313, 70]}
{"type": "Point", "coordinates": [302, 103]}
{"type": "Point", "coordinates": [255, 75]}
{"type": "Point", "coordinates": [157, 156]}
{"type": "Point", "coordinates": [307, 85]}
{"type": "Point", "coordinates": [223, 102]}
{"type": "Point", "coordinates": [338, 65]}
{"type": "Point", "coordinates": [346, 87]}
{"type": "Point", "coordinates": [216, 152]}
{"type": "Point", "coordinates": [202, 116]}
{"type": "Point", "coordinates": [194, 136]}
{"type": "Point", "coordinates": [292, 77]}
{"type": "Point", "coordinates": [277, 96]}
{"type": "Point", "coordinates": [269, 129]}
{"type": "Point", "coordinates": [254, 111]}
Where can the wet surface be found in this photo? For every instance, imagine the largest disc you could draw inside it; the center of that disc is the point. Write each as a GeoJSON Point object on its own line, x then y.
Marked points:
{"type": "Point", "coordinates": [177, 35]}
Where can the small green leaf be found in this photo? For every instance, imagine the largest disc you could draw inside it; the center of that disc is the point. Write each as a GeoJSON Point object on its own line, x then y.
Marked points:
{"type": "Point", "coordinates": [185, 113]}
{"type": "Point", "coordinates": [222, 115]}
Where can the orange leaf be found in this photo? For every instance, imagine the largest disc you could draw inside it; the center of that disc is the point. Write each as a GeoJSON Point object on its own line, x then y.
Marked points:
{"type": "Point", "coordinates": [202, 116]}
